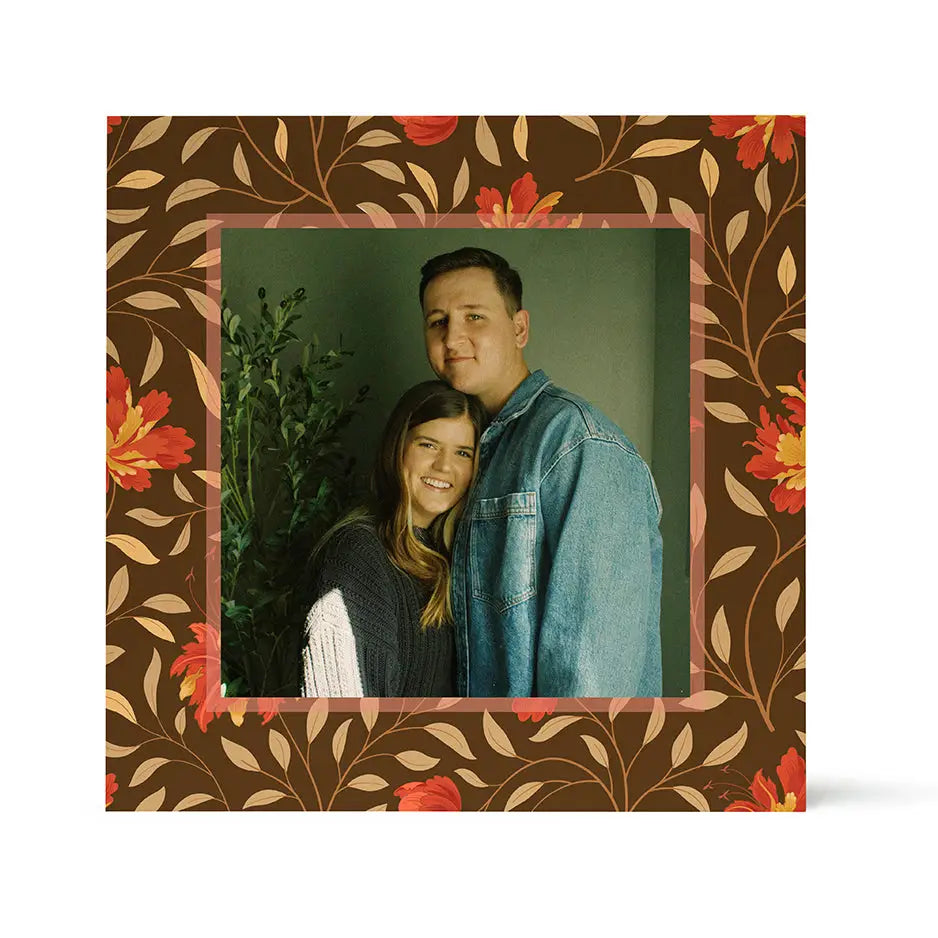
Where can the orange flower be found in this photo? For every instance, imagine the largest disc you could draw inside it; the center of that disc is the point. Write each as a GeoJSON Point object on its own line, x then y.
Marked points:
{"type": "Point", "coordinates": [110, 786]}
{"type": "Point", "coordinates": [192, 661]}
{"type": "Point", "coordinates": [756, 132]}
{"type": "Point", "coordinates": [435, 794]}
{"type": "Point", "coordinates": [524, 209]}
{"type": "Point", "coordinates": [534, 707]}
{"type": "Point", "coordinates": [268, 708]}
{"type": "Point", "coordinates": [782, 451]}
{"type": "Point", "coordinates": [133, 445]}
{"type": "Point", "coordinates": [791, 773]}
{"type": "Point", "coordinates": [425, 131]}
{"type": "Point", "coordinates": [112, 122]}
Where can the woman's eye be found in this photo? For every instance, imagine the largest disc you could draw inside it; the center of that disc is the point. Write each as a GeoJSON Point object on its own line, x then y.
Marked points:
{"type": "Point", "coordinates": [462, 452]}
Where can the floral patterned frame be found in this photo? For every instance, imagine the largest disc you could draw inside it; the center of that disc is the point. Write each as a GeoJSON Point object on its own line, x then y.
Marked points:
{"type": "Point", "coordinates": [173, 743]}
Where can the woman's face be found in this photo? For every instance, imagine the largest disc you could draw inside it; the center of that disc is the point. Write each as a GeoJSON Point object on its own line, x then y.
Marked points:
{"type": "Point", "coordinates": [438, 463]}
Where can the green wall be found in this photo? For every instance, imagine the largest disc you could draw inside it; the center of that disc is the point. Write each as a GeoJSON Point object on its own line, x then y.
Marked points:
{"type": "Point", "coordinates": [604, 323]}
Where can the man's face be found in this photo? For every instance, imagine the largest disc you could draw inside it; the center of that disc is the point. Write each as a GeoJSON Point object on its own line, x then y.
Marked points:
{"type": "Point", "coordinates": [472, 342]}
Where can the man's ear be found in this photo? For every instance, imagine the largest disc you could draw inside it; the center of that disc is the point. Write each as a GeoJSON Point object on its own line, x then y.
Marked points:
{"type": "Point", "coordinates": [521, 321]}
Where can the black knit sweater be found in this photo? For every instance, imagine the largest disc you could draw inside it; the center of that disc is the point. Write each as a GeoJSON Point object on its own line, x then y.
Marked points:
{"type": "Point", "coordinates": [363, 635]}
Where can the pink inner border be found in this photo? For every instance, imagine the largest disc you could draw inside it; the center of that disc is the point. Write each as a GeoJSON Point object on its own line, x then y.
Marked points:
{"type": "Point", "coordinates": [217, 704]}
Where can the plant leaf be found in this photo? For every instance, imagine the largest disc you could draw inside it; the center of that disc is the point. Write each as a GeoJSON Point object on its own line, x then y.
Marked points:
{"type": "Point", "coordinates": [120, 248]}
{"type": "Point", "coordinates": [584, 123]}
{"type": "Point", "coordinates": [655, 721]}
{"type": "Point", "coordinates": [385, 168]}
{"type": "Point", "coordinates": [726, 411]}
{"type": "Point", "coordinates": [521, 794]}
{"type": "Point", "coordinates": [665, 147]}
{"type": "Point", "coordinates": [762, 189]}
{"type": "Point", "coordinates": [380, 217]}
{"type": "Point", "coordinates": [145, 770]}
{"type": "Point", "coordinates": [191, 189]}
{"type": "Point", "coordinates": [279, 748]}
{"type": "Point", "coordinates": [281, 140]}
{"type": "Point", "coordinates": [519, 136]}
{"type": "Point", "coordinates": [152, 802]}
{"type": "Point", "coordinates": [316, 718]}
{"type": "Point", "coordinates": [732, 560]}
{"type": "Point", "coordinates": [151, 680]}
{"type": "Point", "coordinates": [741, 497]}
{"type": "Point", "coordinates": [496, 736]}
{"type": "Point", "coordinates": [685, 215]}
{"type": "Point", "coordinates": [206, 383]}
{"type": "Point", "coordinates": [416, 761]}
{"type": "Point", "coordinates": [133, 547]}
{"type": "Point", "coordinates": [239, 756]}
{"type": "Point", "coordinates": [124, 216]}
{"type": "Point", "coordinates": [150, 133]}
{"type": "Point", "coordinates": [704, 700]}
{"type": "Point", "coordinates": [597, 749]}
{"type": "Point", "coordinates": [467, 775]}
{"type": "Point", "coordinates": [709, 172]}
{"type": "Point", "coordinates": [450, 736]}
{"type": "Point", "coordinates": [698, 275]}
{"type": "Point", "coordinates": [786, 603]}
{"type": "Point", "coordinates": [698, 514]}
{"type": "Point", "coordinates": [368, 783]}
{"type": "Point", "coordinates": [117, 590]}
{"type": "Point", "coordinates": [552, 727]}
{"type": "Point", "coordinates": [700, 313]}
{"type": "Point", "coordinates": [112, 653]}
{"type": "Point", "coordinates": [205, 306]}
{"type": "Point", "coordinates": [166, 602]}
{"type": "Point", "coordinates": [240, 166]}
{"type": "Point", "coordinates": [195, 141]}
{"type": "Point", "coordinates": [140, 179]}
{"type": "Point", "coordinates": [714, 368]}
{"type": "Point", "coordinates": [616, 706]}
{"type": "Point", "coordinates": [376, 138]}
{"type": "Point", "coordinates": [190, 801]}
{"type": "Point", "coordinates": [729, 748]}
{"type": "Point", "coordinates": [369, 712]}
{"type": "Point", "coordinates": [427, 183]}
{"type": "Point", "coordinates": [154, 360]}
{"type": "Point", "coordinates": [648, 194]}
{"type": "Point", "coordinates": [682, 746]}
{"type": "Point", "coordinates": [151, 299]}
{"type": "Point", "coordinates": [264, 797]}
{"type": "Point", "coordinates": [736, 230]}
{"type": "Point", "coordinates": [338, 740]}
{"type": "Point", "coordinates": [693, 797]}
{"type": "Point", "coordinates": [118, 703]}
{"type": "Point", "coordinates": [415, 204]}
{"type": "Point", "coordinates": [720, 636]}
{"type": "Point", "coordinates": [787, 272]}
{"type": "Point", "coordinates": [485, 142]}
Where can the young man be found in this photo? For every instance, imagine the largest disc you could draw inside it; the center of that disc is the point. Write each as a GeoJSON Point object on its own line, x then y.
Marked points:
{"type": "Point", "coordinates": [556, 571]}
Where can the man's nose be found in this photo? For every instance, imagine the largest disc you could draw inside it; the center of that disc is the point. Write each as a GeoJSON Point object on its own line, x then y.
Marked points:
{"type": "Point", "coordinates": [455, 331]}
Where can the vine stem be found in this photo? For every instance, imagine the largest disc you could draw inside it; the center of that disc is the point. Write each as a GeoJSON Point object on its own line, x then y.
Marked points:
{"type": "Point", "coordinates": [529, 762]}
{"type": "Point", "coordinates": [615, 745]}
{"type": "Point", "coordinates": [612, 152]}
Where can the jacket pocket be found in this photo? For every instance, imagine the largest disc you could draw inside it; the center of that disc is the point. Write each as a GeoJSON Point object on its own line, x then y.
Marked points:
{"type": "Point", "coordinates": [501, 545]}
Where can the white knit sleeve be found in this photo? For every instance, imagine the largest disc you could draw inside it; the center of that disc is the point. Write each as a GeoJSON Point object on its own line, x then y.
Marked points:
{"type": "Point", "coordinates": [330, 656]}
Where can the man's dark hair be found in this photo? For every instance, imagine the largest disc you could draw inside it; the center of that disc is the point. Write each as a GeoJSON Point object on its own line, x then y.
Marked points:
{"type": "Point", "coordinates": [507, 279]}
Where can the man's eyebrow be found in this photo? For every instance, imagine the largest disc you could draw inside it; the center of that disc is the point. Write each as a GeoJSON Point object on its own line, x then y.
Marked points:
{"type": "Point", "coordinates": [431, 439]}
{"type": "Point", "coordinates": [431, 312]}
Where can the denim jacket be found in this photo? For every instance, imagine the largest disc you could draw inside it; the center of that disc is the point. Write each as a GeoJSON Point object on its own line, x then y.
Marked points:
{"type": "Point", "coordinates": [556, 575]}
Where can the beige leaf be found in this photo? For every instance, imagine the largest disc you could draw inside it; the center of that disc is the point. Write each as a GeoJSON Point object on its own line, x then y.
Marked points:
{"type": "Point", "coordinates": [166, 602]}
{"type": "Point", "coordinates": [264, 797]}
{"type": "Point", "coordinates": [150, 133]}
{"type": "Point", "coordinates": [762, 189]}
{"type": "Point", "coordinates": [195, 141]}
{"type": "Point", "coordinates": [709, 172]}
{"type": "Point", "coordinates": [416, 761]}
{"type": "Point", "coordinates": [380, 217]}
{"type": "Point", "coordinates": [415, 204]}
{"type": "Point", "coordinates": [698, 275]}
{"type": "Point", "coordinates": [151, 299]}
{"type": "Point", "coordinates": [191, 189]}
{"type": "Point", "coordinates": [369, 712]}
{"type": "Point", "coordinates": [120, 248]}
{"type": "Point", "coordinates": [648, 194]}
{"type": "Point", "coordinates": [124, 216]}
{"type": "Point", "coordinates": [799, 334]}
{"type": "Point", "coordinates": [194, 229]}
{"type": "Point", "coordinates": [180, 489]}
{"type": "Point", "coordinates": [725, 411]}
{"type": "Point", "coordinates": [281, 140]}
{"type": "Point", "coordinates": [799, 664]}
{"type": "Point", "coordinates": [467, 775]}
{"type": "Point", "coordinates": [787, 272]}
{"type": "Point", "coordinates": [117, 590]}
{"type": "Point", "coordinates": [316, 718]}
{"type": "Point", "coordinates": [521, 794]}
{"type": "Point", "coordinates": [112, 350]}
{"type": "Point", "coordinates": [597, 749]}
{"type": "Point", "coordinates": [616, 706]}
{"type": "Point", "coordinates": [150, 518]}
{"type": "Point", "coordinates": [552, 727]}
{"type": "Point", "coordinates": [655, 721]}
{"type": "Point", "coordinates": [240, 757]}
{"type": "Point", "coordinates": [704, 700]}
{"type": "Point", "coordinates": [698, 514]}
{"type": "Point", "coordinates": [151, 681]}
{"type": "Point", "coordinates": [385, 168]}
{"type": "Point", "coordinates": [444, 703]}
{"type": "Point", "coordinates": [209, 477]}
{"type": "Point", "coordinates": [684, 214]}
{"type": "Point", "coordinates": [786, 603]}
{"type": "Point", "coordinates": [279, 748]}
{"type": "Point", "coordinates": [427, 183]}
{"type": "Point", "coordinates": [206, 307]}
{"type": "Point", "coordinates": [735, 230]}
{"type": "Point", "coordinates": [145, 770]}
{"type": "Point", "coordinates": [368, 783]}
{"type": "Point", "coordinates": [118, 703]}
{"type": "Point", "coordinates": [519, 136]}
{"type": "Point", "coordinates": [338, 740]}
{"type": "Point", "coordinates": [206, 383]}
{"type": "Point", "coordinates": [180, 721]}
{"type": "Point", "coordinates": [133, 547]}
{"type": "Point", "coordinates": [693, 797]}
{"type": "Point", "coordinates": [700, 313]}
{"type": "Point", "coordinates": [461, 183]}
{"type": "Point", "coordinates": [112, 653]}
{"type": "Point", "coordinates": [732, 560]}
{"type": "Point", "coordinates": [154, 360]}
{"type": "Point", "coordinates": [682, 747]}
{"type": "Point", "coordinates": [648, 120]}
{"type": "Point", "coordinates": [714, 368]}
{"type": "Point", "coordinates": [496, 737]}
{"type": "Point", "coordinates": [208, 259]}
{"type": "Point", "coordinates": [720, 635]}
{"type": "Point", "coordinates": [605, 224]}
{"type": "Point", "coordinates": [377, 807]}
{"type": "Point", "coordinates": [376, 138]}
{"type": "Point", "coordinates": [666, 147]}
{"type": "Point", "coordinates": [801, 736]}
{"type": "Point", "coordinates": [450, 736]}
{"type": "Point", "coordinates": [584, 123]}
{"type": "Point", "coordinates": [802, 697]}
{"type": "Point", "coordinates": [118, 752]}
{"type": "Point", "coordinates": [741, 497]}
{"type": "Point", "coordinates": [354, 122]}
{"type": "Point", "coordinates": [140, 179]}
{"type": "Point", "coordinates": [190, 801]}
{"type": "Point", "coordinates": [240, 166]}
{"type": "Point", "coordinates": [152, 802]}
{"type": "Point", "coordinates": [485, 142]}
{"type": "Point", "coordinates": [729, 748]}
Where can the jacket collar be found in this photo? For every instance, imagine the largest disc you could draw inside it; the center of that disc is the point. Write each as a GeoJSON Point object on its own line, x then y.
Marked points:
{"type": "Point", "coordinates": [522, 397]}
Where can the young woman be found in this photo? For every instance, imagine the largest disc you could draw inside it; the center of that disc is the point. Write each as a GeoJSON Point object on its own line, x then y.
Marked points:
{"type": "Point", "coordinates": [381, 623]}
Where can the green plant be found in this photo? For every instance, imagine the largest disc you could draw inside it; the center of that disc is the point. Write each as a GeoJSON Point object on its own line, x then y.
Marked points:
{"type": "Point", "coordinates": [285, 480]}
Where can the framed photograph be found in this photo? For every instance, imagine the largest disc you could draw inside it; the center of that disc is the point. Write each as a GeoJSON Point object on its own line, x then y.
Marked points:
{"type": "Point", "coordinates": [266, 314]}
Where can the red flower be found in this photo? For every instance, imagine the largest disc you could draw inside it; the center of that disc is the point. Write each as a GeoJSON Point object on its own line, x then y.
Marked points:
{"type": "Point", "coordinates": [791, 773]}
{"type": "Point", "coordinates": [133, 445]}
{"type": "Point", "coordinates": [112, 122]}
{"type": "Point", "coordinates": [435, 794]}
{"type": "Point", "coordinates": [110, 786]}
{"type": "Point", "coordinates": [524, 209]}
{"type": "Point", "coordinates": [268, 708]}
{"type": "Point", "coordinates": [192, 661]}
{"type": "Point", "coordinates": [756, 132]}
{"type": "Point", "coordinates": [782, 451]}
{"type": "Point", "coordinates": [425, 131]}
{"type": "Point", "coordinates": [534, 707]}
